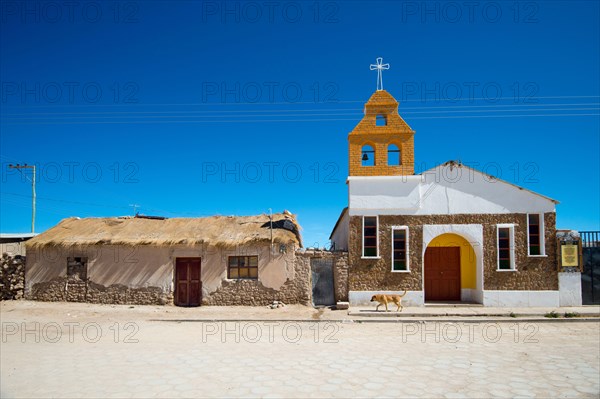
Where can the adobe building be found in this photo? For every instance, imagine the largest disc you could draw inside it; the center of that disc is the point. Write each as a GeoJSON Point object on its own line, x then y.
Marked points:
{"type": "Point", "coordinates": [449, 234]}
{"type": "Point", "coordinates": [219, 260]}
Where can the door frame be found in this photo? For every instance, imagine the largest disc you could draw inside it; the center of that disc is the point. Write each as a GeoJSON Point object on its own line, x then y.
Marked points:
{"type": "Point", "coordinates": [175, 290]}
{"type": "Point", "coordinates": [459, 275]}
{"type": "Point", "coordinates": [473, 234]}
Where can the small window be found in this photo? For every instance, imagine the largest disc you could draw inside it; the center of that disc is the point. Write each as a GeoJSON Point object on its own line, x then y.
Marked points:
{"type": "Point", "coordinates": [77, 267]}
{"type": "Point", "coordinates": [370, 249]}
{"type": "Point", "coordinates": [505, 245]}
{"type": "Point", "coordinates": [535, 234]}
{"type": "Point", "coordinates": [400, 249]}
{"type": "Point", "coordinates": [367, 156]}
{"type": "Point", "coordinates": [393, 155]}
{"type": "Point", "coordinates": [242, 267]}
{"type": "Point", "coordinates": [381, 120]}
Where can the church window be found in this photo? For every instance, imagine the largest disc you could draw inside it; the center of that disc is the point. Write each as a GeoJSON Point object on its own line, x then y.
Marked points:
{"type": "Point", "coordinates": [370, 237]}
{"type": "Point", "coordinates": [506, 247]}
{"type": "Point", "coordinates": [400, 249]}
{"type": "Point", "coordinates": [535, 234]}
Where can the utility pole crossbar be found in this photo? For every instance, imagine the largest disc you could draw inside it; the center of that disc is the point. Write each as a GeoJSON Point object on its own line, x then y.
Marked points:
{"type": "Point", "coordinates": [32, 167]}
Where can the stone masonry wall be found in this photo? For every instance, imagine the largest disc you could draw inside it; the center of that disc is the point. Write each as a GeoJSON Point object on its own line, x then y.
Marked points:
{"type": "Point", "coordinates": [72, 289]}
{"type": "Point", "coordinates": [533, 273]}
{"type": "Point", "coordinates": [12, 277]}
{"type": "Point", "coordinates": [340, 270]}
{"type": "Point", "coordinates": [253, 293]}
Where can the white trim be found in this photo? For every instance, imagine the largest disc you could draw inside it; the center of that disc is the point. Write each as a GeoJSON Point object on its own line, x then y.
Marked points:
{"type": "Point", "coordinates": [515, 298]}
{"type": "Point", "coordinates": [542, 234]}
{"type": "Point", "coordinates": [511, 246]}
{"type": "Point", "coordinates": [362, 232]}
{"type": "Point", "coordinates": [473, 233]}
{"type": "Point", "coordinates": [407, 257]}
{"type": "Point", "coordinates": [363, 298]}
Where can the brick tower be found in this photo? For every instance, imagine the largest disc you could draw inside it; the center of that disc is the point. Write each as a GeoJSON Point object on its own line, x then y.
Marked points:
{"type": "Point", "coordinates": [382, 144]}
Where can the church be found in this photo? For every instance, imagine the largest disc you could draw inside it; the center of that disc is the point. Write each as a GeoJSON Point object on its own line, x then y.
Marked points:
{"type": "Point", "coordinates": [448, 234]}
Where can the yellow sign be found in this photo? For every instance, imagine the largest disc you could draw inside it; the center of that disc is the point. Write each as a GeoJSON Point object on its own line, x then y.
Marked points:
{"type": "Point", "coordinates": [569, 255]}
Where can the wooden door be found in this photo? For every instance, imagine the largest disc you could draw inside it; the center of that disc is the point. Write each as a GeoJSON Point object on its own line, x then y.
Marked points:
{"type": "Point", "coordinates": [188, 287]}
{"type": "Point", "coordinates": [442, 274]}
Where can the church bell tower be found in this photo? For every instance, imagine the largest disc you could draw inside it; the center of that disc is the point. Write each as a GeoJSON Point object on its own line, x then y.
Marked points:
{"type": "Point", "coordinates": [382, 144]}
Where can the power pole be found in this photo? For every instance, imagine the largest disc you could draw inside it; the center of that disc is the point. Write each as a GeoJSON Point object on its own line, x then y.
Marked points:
{"type": "Point", "coordinates": [32, 167]}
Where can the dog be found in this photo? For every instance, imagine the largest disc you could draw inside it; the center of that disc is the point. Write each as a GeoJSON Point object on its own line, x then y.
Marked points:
{"type": "Point", "coordinates": [385, 299]}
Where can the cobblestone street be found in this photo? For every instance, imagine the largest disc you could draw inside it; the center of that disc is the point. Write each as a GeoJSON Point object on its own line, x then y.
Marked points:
{"type": "Point", "coordinates": [132, 355]}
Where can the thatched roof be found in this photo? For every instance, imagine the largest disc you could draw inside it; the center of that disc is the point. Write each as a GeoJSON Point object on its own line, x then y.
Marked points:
{"type": "Point", "coordinates": [220, 231]}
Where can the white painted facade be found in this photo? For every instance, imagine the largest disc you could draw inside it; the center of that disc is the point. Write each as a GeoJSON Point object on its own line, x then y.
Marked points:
{"type": "Point", "coordinates": [339, 236]}
{"type": "Point", "coordinates": [569, 287]}
{"type": "Point", "coordinates": [447, 189]}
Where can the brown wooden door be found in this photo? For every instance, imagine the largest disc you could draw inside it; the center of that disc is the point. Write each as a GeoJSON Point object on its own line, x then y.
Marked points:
{"type": "Point", "coordinates": [442, 274]}
{"type": "Point", "coordinates": [188, 287]}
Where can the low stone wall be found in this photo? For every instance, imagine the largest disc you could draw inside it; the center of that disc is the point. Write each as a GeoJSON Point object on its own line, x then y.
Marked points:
{"type": "Point", "coordinates": [253, 293]}
{"type": "Point", "coordinates": [12, 277]}
{"type": "Point", "coordinates": [340, 270]}
{"type": "Point", "coordinates": [76, 290]}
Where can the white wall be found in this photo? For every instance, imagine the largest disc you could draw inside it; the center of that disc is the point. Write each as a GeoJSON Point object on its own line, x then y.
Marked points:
{"type": "Point", "coordinates": [341, 233]}
{"type": "Point", "coordinates": [441, 191]}
{"type": "Point", "coordinates": [569, 287]}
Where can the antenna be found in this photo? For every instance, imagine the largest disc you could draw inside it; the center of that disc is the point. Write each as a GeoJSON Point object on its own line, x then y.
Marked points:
{"type": "Point", "coordinates": [135, 206]}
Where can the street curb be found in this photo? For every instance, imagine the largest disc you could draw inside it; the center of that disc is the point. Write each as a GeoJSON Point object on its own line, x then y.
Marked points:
{"type": "Point", "coordinates": [516, 315]}
{"type": "Point", "coordinates": [472, 319]}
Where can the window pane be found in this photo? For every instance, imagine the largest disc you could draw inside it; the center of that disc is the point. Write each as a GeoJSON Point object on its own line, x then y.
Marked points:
{"type": "Point", "coordinates": [534, 250]}
{"type": "Point", "coordinates": [504, 254]}
{"type": "Point", "coordinates": [253, 261]}
{"type": "Point", "coordinates": [370, 221]}
{"type": "Point", "coordinates": [243, 272]}
{"type": "Point", "coordinates": [243, 261]}
{"type": "Point", "coordinates": [503, 232]}
{"type": "Point", "coordinates": [534, 219]}
{"type": "Point", "coordinates": [534, 240]}
{"type": "Point", "coordinates": [253, 272]}
{"type": "Point", "coordinates": [370, 252]}
{"type": "Point", "coordinates": [504, 264]}
{"type": "Point", "coordinates": [370, 242]}
{"type": "Point", "coordinates": [533, 229]}
{"type": "Point", "coordinates": [233, 273]}
{"type": "Point", "coordinates": [233, 261]}
{"type": "Point", "coordinates": [399, 265]}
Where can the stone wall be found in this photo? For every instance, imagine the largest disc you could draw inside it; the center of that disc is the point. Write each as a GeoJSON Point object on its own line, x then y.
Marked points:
{"type": "Point", "coordinates": [12, 277]}
{"type": "Point", "coordinates": [295, 290]}
{"type": "Point", "coordinates": [533, 273]}
{"type": "Point", "coordinates": [340, 270]}
{"type": "Point", "coordinates": [72, 289]}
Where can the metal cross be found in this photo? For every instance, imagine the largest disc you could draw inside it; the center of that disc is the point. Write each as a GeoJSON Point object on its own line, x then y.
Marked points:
{"type": "Point", "coordinates": [380, 67]}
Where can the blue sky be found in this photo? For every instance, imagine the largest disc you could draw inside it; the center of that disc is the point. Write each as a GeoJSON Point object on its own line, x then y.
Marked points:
{"type": "Point", "coordinates": [194, 108]}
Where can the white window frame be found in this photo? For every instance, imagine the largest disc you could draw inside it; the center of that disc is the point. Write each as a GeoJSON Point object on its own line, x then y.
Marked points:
{"type": "Point", "coordinates": [362, 233]}
{"type": "Point", "coordinates": [394, 228]}
{"type": "Point", "coordinates": [542, 237]}
{"type": "Point", "coordinates": [511, 243]}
